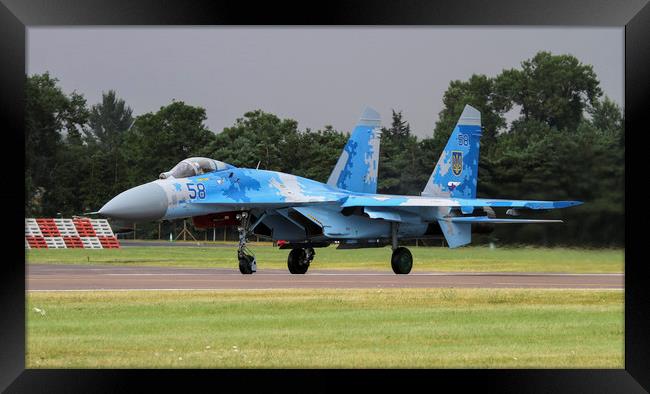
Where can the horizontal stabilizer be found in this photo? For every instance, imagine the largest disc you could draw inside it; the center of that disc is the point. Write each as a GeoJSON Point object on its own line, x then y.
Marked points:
{"type": "Point", "coordinates": [485, 219]}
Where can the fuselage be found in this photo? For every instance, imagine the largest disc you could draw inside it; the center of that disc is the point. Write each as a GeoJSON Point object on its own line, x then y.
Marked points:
{"type": "Point", "coordinates": [242, 188]}
{"type": "Point", "coordinates": [271, 193]}
{"type": "Point", "coordinates": [225, 190]}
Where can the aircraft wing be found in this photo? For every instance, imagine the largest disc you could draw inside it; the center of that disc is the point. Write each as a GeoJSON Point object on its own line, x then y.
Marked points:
{"type": "Point", "coordinates": [266, 202]}
{"type": "Point", "coordinates": [385, 200]}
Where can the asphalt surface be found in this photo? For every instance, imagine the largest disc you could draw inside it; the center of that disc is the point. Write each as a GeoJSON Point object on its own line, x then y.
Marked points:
{"type": "Point", "coordinates": [127, 243]}
{"type": "Point", "coordinates": [95, 277]}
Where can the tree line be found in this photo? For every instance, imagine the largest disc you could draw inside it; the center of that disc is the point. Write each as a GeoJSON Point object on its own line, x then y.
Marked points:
{"type": "Point", "coordinates": [566, 141]}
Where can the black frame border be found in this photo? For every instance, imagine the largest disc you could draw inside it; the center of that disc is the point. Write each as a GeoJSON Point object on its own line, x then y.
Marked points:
{"type": "Point", "coordinates": [17, 15]}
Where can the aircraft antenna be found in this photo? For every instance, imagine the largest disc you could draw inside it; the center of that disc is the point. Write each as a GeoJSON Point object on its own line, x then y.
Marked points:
{"type": "Point", "coordinates": [258, 165]}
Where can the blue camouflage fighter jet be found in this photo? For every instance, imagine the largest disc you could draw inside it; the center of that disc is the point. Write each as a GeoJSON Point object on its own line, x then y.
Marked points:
{"type": "Point", "coordinates": [306, 214]}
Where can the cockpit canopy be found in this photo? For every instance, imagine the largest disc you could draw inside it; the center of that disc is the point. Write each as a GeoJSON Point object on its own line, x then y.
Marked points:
{"type": "Point", "coordinates": [194, 166]}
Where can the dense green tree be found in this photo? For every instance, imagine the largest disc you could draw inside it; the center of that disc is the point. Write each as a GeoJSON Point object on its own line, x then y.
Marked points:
{"type": "Point", "coordinates": [399, 128]}
{"type": "Point", "coordinates": [399, 159]}
{"type": "Point", "coordinates": [277, 144]}
{"type": "Point", "coordinates": [108, 121]}
{"type": "Point", "coordinates": [428, 155]}
{"type": "Point", "coordinates": [551, 152]}
{"type": "Point", "coordinates": [479, 92]}
{"type": "Point", "coordinates": [158, 141]}
{"type": "Point", "coordinates": [315, 153]}
{"type": "Point", "coordinates": [555, 89]}
{"type": "Point", "coordinates": [50, 116]}
{"type": "Point", "coordinates": [77, 188]}
{"type": "Point", "coordinates": [607, 117]}
{"type": "Point", "coordinates": [258, 137]}
{"type": "Point", "coordinates": [537, 161]}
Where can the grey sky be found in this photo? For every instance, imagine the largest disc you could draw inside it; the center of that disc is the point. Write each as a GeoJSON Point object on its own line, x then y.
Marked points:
{"type": "Point", "coordinates": [316, 76]}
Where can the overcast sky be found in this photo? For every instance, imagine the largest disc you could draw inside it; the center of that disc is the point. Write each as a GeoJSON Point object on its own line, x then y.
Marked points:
{"type": "Point", "coordinates": [317, 76]}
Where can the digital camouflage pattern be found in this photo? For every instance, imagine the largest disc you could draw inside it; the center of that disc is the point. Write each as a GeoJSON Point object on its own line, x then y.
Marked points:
{"type": "Point", "coordinates": [347, 206]}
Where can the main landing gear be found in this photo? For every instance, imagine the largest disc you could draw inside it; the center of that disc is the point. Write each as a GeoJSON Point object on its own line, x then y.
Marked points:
{"type": "Point", "coordinates": [299, 260]}
{"type": "Point", "coordinates": [247, 264]}
{"type": "Point", "coordinates": [401, 261]}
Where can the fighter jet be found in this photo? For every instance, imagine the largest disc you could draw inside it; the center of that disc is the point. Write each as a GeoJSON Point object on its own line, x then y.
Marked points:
{"type": "Point", "coordinates": [305, 214]}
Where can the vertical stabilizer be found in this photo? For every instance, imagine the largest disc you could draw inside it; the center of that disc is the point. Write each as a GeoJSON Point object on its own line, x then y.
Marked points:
{"type": "Point", "coordinates": [356, 169]}
{"type": "Point", "coordinates": [456, 173]}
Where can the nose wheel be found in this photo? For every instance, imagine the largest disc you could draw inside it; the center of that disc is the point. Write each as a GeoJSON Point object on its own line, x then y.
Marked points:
{"type": "Point", "coordinates": [299, 260]}
{"type": "Point", "coordinates": [247, 263]}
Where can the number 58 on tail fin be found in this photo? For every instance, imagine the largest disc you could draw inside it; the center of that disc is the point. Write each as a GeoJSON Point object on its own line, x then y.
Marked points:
{"type": "Point", "coordinates": [456, 173]}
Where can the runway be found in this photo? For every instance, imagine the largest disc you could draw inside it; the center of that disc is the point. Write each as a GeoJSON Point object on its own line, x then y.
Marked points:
{"type": "Point", "coordinates": [44, 277]}
{"type": "Point", "coordinates": [128, 243]}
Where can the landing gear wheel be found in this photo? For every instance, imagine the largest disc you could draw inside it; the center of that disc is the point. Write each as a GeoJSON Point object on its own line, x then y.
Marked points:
{"type": "Point", "coordinates": [299, 260]}
{"type": "Point", "coordinates": [401, 261]}
{"type": "Point", "coordinates": [247, 264]}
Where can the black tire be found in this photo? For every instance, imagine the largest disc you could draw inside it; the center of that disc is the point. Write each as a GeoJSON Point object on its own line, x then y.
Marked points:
{"type": "Point", "coordinates": [297, 261]}
{"type": "Point", "coordinates": [246, 265]}
{"type": "Point", "coordinates": [401, 261]}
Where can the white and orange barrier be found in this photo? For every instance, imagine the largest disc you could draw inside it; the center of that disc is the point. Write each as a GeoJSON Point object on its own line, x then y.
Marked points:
{"type": "Point", "coordinates": [69, 233]}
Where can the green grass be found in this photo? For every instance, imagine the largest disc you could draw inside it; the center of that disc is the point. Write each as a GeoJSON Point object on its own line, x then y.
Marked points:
{"type": "Point", "coordinates": [371, 328]}
{"type": "Point", "coordinates": [514, 259]}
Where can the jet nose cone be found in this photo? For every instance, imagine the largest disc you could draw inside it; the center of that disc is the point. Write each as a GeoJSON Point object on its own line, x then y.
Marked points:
{"type": "Point", "coordinates": [141, 203]}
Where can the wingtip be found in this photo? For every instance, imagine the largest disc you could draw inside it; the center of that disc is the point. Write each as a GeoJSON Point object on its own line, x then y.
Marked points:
{"type": "Point", "coordinates": [567, 204]}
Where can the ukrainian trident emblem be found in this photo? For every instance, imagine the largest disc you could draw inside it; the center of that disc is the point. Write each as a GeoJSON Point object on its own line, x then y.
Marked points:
{"type": "Point", "coordinates": [457, 162]}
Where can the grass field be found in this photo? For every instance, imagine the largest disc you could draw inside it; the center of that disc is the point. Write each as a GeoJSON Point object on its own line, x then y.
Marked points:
{"type": "Point", "coordinates": [515, 259]}
{"type": "Point", "coordinates": [388, 328]}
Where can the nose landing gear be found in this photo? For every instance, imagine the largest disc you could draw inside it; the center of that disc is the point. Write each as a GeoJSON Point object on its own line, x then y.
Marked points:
{"type": "Point", "coordinates": [247, 263]}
